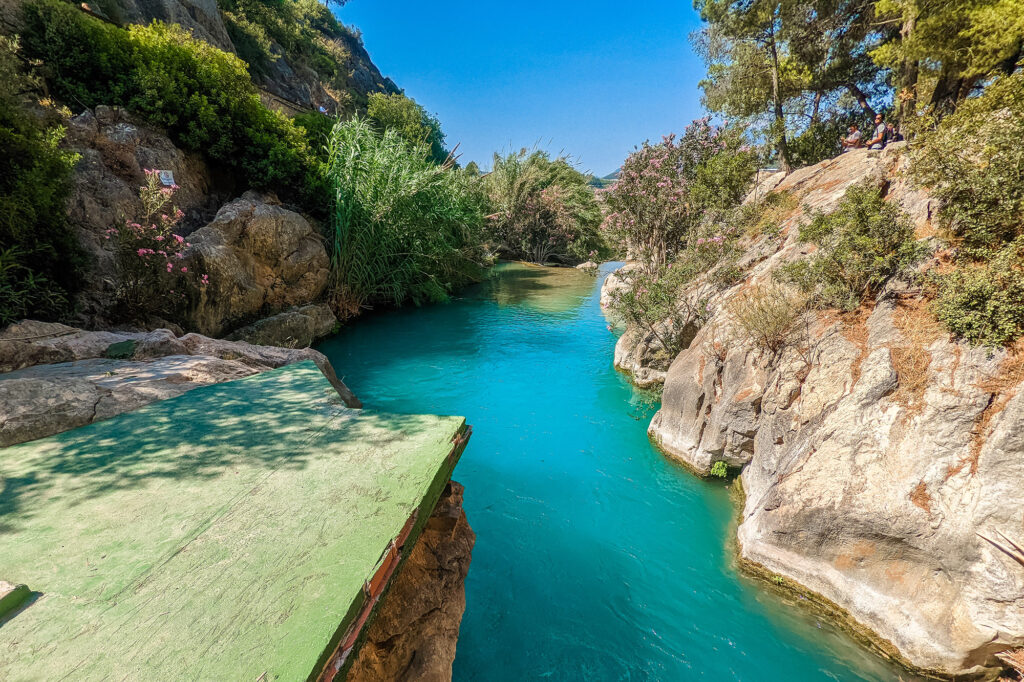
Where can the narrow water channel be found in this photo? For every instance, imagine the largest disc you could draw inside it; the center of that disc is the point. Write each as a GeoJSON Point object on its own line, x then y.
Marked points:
{"type": "Point", "coordinates": [596, 557]}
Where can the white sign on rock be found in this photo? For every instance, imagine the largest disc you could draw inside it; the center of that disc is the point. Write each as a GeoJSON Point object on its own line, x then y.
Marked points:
{"type": "Point", "coordinates": [166, 178]}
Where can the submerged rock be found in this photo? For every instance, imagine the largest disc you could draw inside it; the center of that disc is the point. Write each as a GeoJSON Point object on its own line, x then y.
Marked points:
{"type": "Point", "coordinates": [414, 634]}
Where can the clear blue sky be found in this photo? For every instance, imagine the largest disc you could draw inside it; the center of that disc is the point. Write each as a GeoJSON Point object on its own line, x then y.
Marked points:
{"type": "Point", "coordinates": [590, 78]}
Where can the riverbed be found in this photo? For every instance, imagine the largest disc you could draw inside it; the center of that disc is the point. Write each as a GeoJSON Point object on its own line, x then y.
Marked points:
{"type": "Point", "coordinates": [597, 558]}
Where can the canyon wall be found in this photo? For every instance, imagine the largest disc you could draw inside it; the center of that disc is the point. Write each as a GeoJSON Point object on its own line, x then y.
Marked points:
{"type": "Point", "coordinates": [882, 461]}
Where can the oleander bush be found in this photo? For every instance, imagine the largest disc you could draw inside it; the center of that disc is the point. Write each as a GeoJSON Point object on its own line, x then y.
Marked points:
{"type": "Point", "coordinates": [401, 227]}
{"type": "Point", "coordinates": [864, 242]}
{"type": "Point", "coordinates": [154, 280]}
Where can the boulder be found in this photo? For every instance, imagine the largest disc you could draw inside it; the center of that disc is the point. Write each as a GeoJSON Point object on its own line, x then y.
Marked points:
{"type": "Point", "coordinates": [295, 328]}
{"type": "Point", "coordinates": [416, 628]}
{"type": "Point", "coordinates": [57, 378]}
{"type": "Point", "coordinates": [261, 258]}
{"type": "Point", "coordinates": [883, 463]}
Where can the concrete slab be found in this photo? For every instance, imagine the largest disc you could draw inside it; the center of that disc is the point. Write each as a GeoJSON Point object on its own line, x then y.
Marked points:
{"type": "Point", "coordinates": [223, 534]}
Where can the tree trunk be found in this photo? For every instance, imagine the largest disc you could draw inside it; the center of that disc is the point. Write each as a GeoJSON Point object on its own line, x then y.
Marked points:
{"type": "Point", "coordinates": [909, 71]}
{"type": "Point", "coordinates": [815, 106]}
{"type": "Point", "coordinates": [862, 99]}
{"type": "Point", "coordinates": [780, 120]}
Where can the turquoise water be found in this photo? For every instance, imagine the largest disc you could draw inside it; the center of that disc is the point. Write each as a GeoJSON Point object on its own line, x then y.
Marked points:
{"type": "Point", "coordinates": [596, 557]}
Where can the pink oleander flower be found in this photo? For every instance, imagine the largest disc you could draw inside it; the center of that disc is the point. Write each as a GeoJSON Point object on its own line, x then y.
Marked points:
{"type": "Point", "coordinates": [184, 268]}
{"type": "Point", "coordinates": [179, 238]}
{"type": "Point", "coordinates": [170, 267]}
{"type": "Point", "coordinates": [159, 237]}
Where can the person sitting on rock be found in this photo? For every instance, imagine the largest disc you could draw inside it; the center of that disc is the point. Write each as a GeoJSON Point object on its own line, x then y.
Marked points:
{"type": "Point", "coordinates": [878, 140]}
{"type": "Point", "coordinates": [851, 141]}
{"type": "Point", "coordinates": [892, 134]}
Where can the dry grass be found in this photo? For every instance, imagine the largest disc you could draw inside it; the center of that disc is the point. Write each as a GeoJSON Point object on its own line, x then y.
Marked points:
{"type": "Point", "coordinates": [855, 330]}
{"type": "Point", "coordinates": [912, 359]}
{"type": "Point", "coordinates": [1015, 659]}
{"type": "Point", "coordinates": [920, 497]}
{"type": "Point", "coordinates": [767, 316]}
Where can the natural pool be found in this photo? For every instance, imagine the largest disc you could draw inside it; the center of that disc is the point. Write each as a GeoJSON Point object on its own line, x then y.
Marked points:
{"type": "Point", "coordinates": [596, 558]}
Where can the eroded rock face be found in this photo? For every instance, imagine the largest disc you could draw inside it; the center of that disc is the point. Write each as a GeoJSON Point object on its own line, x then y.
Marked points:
{"type": "Point", "coordinates": [877, 454]}
{"type": "Point", "coordinates": [55, 378]}
{"type": "Point", "coordinates": [261, 258]}
{"type": "Point", "coordinates": [414, 633]}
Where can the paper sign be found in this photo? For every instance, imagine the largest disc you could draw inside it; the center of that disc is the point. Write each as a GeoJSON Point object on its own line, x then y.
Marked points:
{"type": "Point", "coordinates": [166, 178]}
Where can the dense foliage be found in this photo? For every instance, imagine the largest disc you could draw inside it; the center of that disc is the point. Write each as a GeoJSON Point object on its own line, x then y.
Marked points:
{"type": "Point", "coordinates": [401, 227]}
{"type": "Point", "coordinates": [861, 244]}
{"type": "Point", "coordinates": [542, 210]}
{"type": "Point", "coordinates": [407, 118]}
{"type": "Point", "coordinates": [40, 259]}
{"type": "Point", "coordinates": [973, 162]}
{"type": "Point", "coordinates": [799, 68]}
{"type": "Point", "coordinates": [202, 95]}
{"type": "Point", "coordinates": [674, 209]}
{"type": "Point", "coordinates": [304, 30]}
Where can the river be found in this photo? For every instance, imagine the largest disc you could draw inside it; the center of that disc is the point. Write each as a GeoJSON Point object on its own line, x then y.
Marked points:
{"type": "Point", "coordinates": [597, 558]}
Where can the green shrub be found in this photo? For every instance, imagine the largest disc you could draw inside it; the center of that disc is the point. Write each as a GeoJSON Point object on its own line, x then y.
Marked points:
{"type": "Point", "coordinates": [40, 258]}
{"type": "Point", "coordinates": [767, 316]}
{"type": "Point", "coordinates": [202, 95]}
{"type": "Point", "coordinates": [657, 305]}
{"type": "Point", "coordinates": [973, 162]}
{"type": "Point", "coordinates": [408, 119]}
{"type": "Point", "coordinates": [303, 30]}
{"type": "Point", "coordinates": [401, 227]}
{"type": "Point", "coordinates": [542, 209]}
{"type": "Point", "coordinates": [861, 244]}
{"type": "Point", "coordinates": [983, 302]}
{"type": "Point", "coordinates": [720, 469]}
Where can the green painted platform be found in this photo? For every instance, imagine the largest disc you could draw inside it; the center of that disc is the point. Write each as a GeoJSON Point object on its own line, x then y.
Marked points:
{"type": "Point", "coordinates": [225, 534]}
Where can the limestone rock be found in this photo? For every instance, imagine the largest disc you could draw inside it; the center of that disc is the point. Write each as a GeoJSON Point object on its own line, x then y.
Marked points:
{"type": "Point", "coordinates": [261, 258]}
{"type": "Point", "coordinates": [875, 451]}
{"type": "Point", "coordinates": [414, 633]}
{"type": "Point", "coordinates": [57, 378]}
{"type": "Point", "coordinates": [294, 328]}
{"type": "Point", "coordinates": [114, 149]}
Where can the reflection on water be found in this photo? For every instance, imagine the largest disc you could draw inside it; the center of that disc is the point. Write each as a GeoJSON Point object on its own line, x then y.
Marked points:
{"type": "Point", "coordinates": [548, 289]}
{"type": "Point", "coordinates": [596, 557]}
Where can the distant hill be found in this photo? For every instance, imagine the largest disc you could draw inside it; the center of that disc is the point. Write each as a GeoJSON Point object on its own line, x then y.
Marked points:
{"type": "Point", "coordinates": [606, 181]}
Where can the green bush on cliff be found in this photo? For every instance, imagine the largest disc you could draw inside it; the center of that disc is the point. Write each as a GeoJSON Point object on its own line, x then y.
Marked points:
{"type": "Point", "coordinates": [401, 227]}
{"type": "Point", "coordinates": [303, 30]}
{"type": "Point", "coordinates": [861, 244]}
{"type": "Point", "coordinates": [973, 162]}
{"type": "Point", "coordinates": [40, 259]}
{"type": "Point", "coordinates": [202, 95]}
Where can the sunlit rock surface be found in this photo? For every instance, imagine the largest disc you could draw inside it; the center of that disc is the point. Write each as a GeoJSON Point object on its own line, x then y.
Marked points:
{"type": "Point", "coordinates": [879, 458]}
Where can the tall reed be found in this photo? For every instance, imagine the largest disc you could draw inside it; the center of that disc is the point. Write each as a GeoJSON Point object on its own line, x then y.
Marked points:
{"type": "Point", "coordinates": [401, 227]}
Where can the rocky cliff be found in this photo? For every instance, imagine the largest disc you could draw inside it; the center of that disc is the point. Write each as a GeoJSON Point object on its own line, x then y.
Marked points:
{"type": "Point", "coordinates": [882, 461]}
